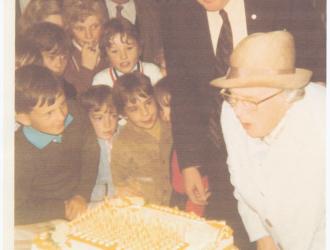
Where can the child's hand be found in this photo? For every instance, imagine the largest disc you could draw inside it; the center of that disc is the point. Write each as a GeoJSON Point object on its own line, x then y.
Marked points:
{"type": "Point", "coordinates": [90, 55]}
{"type": "Point", "coordinates": [75, 206]}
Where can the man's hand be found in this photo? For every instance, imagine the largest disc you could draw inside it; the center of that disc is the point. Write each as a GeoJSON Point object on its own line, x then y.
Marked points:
{"type": "Point", "coordinates": [266, 243]}
{"type": "Point", "coordinates": [75, 206]}
{"type": "Point", "coordinates": [194, 186]}
{"type": "Point", "coordinates": [90, 56]}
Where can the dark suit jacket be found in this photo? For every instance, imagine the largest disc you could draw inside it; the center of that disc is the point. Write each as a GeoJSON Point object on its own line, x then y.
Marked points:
{"type": "Point", "coordinates": [148, 23]}
{"type": "Point", "coordinates": [190, 62]}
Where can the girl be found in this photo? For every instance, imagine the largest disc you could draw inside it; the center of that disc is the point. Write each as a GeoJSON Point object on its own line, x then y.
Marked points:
{"type": "Point", "coordinates": [121, 45]}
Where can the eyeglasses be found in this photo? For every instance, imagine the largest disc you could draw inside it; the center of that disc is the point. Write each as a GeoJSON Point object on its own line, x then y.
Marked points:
{"type": "Point", "coordinates": [246, 102]}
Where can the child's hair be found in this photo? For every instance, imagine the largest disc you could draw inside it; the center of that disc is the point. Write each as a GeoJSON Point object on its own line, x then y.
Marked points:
{"type": "Point", "coordinates": [130, 86]}
{"type": "Point", "coordinates": [35, 85]}
{"type": "Point", "coordinates": [95, 97]}
{"type": "Point", "coordinates": [26, 53]}
{"type": "Point", "coordinates": [37, 11]}
{"type": "Point", "coordinates": [121, 26]}
{"type": "Point", "coordinates": [78, 10]}
{"type": "Point", "coordinates": [162, 92]}
{"type": "Point", "coordinates": [49, 37]}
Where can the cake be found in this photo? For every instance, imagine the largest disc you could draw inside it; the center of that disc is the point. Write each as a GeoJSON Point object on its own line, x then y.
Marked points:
{"type": "Point", "coordinates": [129, 224]}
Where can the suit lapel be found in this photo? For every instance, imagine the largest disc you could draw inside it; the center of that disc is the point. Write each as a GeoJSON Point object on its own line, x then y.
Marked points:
{"type": "Point", "coordinates": [202, 57]}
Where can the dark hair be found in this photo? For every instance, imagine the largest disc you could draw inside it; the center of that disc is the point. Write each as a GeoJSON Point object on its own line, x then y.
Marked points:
{"type": "Point", "coordinates": [26, 53]}
{"type": "Point", "coordinates": [162, 92]}
{"type": "Point", "coordinates": [49, 37]}
{"type": "Point", "coordinates": [130, 86]}
{"type": "Point", "coordinates": [78, 10]}
{"type": "Point", "coordinates": [121, 26]}
{"type": "Point", "coordinates": [35, 85]}
{"type": "Point", "coordinates": [36, 11]}
{"type": "Point", "coordinates": [95, 97]}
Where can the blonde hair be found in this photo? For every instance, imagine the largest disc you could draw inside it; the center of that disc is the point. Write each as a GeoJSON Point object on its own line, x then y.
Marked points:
{"type": "Point", "coordinates": [78, 10]}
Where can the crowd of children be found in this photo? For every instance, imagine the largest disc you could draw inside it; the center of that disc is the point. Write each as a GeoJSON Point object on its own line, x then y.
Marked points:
{"type": "Point", "coordinates": [93, 118]}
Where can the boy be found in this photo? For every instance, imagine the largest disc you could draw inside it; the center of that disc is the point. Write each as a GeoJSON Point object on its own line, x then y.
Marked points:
{"type": "Point", "coordinates": [98, 102]}
{"type": "Point", "coordinates": [84, 20]}
{"type": "Point", "coordinates": [141, 151]}
{"type": "Point", "coordinates": [56, 152]}
{"type": "Point", "coordinates": [121, 44]}
{"type": "Point", "coordinates": [54, 46]}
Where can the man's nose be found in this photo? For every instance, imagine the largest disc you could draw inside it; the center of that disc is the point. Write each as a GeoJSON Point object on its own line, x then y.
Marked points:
{"type": "Point", "coordinates": [240, 110]}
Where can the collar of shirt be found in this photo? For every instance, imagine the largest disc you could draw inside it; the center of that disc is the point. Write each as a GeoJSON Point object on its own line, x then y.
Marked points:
{"type": "Point", "coordinates": [129, 10]}
{"type": "Point", "coordinates": [40, 139]}
{"type": "Point", "coordinates": [237, 18]}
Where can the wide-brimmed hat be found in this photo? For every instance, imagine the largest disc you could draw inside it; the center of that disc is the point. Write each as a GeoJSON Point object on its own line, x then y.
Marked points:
{"type": "Point", "coordinates": [264, 60]}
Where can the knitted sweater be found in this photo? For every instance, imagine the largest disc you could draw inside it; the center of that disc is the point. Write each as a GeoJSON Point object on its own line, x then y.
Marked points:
{"type": "Point", "coordinates": [141, 162]}
{"type": "Point", "coordinates": [45, 178]}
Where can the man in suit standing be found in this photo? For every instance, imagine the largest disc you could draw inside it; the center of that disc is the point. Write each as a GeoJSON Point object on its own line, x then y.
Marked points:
{"type": "Point", "coordinates": [194, 56]}
{"type": "Point", "coordinates": [145, 15]}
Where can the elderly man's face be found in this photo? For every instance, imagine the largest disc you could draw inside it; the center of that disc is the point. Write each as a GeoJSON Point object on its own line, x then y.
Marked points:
{"type": "Point", "coordinates": [259, 120]}
{"type": "Point", "coordinates": [213, 5]}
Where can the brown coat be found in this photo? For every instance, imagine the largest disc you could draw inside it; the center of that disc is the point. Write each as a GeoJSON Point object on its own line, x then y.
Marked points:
{"type": "Point", "coordinates": [140, 158]}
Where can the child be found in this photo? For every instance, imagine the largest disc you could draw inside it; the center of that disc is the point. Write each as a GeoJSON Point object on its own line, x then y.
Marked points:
{"type": "Point", "coordinates": [163, 97]}
{"type": "Point", "coordinates": [120, 42]}
{"type": "Point", "coordinates": [97, 101]}
{"type": "Point", "coordinates": [83, 20]}
{"type": "Point", "coordinates": [141, 151]}
{"type": "Point", "coordinates": [56, 151]}
{"type": "Point", "coordinates": [54, 46]}
{"type": "Point", "coordinates": [38, 11]}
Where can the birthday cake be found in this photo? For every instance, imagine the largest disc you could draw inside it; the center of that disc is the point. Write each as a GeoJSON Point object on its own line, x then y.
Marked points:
{"type": "Point", "coordinates": [129, 224]}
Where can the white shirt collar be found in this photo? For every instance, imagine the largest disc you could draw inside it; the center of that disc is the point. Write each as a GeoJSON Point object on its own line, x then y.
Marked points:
{"type": "Point", "coordinates": [237, 18]}
{"type": "Point", "coordinates": [129, 10]}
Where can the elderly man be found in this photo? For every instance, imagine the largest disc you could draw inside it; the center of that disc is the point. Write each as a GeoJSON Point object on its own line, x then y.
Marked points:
{"type": "Point", "coordinates": [198, 36]}
{"type": "Point", "coordinates": [273, 121]}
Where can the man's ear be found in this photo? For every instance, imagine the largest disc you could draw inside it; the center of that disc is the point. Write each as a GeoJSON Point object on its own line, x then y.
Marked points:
{"type": "Point", "coordinates": [23, 119]}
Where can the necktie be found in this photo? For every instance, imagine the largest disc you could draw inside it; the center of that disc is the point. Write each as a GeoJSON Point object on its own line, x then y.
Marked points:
{"type": "Point", "coordinates": [225, 45]}
{"type": "Point", "coordinates": [119, 8]}
{"type": "Point", "coordinates": [224, 49]}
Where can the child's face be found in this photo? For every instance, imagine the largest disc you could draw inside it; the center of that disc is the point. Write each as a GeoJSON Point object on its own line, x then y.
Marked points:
{"type": "Point", "coordinates": [87, 32]}
{"type": "Point", "coordinates": [123, 53]}
{"type": "Point", "coordinates": [104, 122]}
{"type": "Point", "coordinates": [48, 119]}
{"type": "Point", "coordinates": [54, 62]}
{"type": "Point", "coordinates": [143, 113]}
